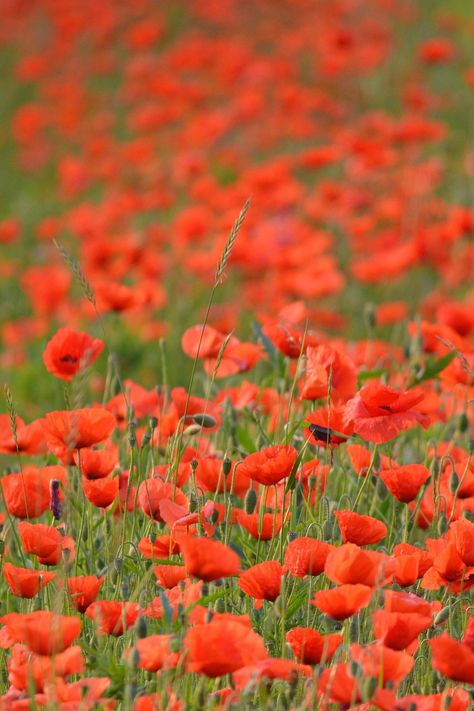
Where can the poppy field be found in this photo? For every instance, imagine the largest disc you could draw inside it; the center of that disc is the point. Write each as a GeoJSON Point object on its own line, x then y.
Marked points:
{"type": "Point", "coordinates": [237, 355]}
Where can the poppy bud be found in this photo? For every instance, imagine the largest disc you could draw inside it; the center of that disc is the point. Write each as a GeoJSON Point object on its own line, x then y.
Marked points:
{"type": "Point", "coordinates": [205, 420]}
{"type": "Point", "coordinates": [442, 615]}
{"type": "Point", "coordinates": [434, 468]}
{"type": "Point", "coordinates": [208, 616]}
{"type": "Point", "coordinates": [279, 606]}
{"type": "Point", "coordinates": [192, 430]}
{"type": "Point", "coordinates": [355, 669]}
{"type": "Point", "coordinates": [204, 590]}
{"type": "Point", "coordinates": [153, 423]}
{"type": "Point", "coordinates": [146, 439]}
{"type": "Point", "coordinates": [463, 427]}
{"type": "Point", "coordinates": [369, 687]}
{"type": "Point", "coordinates": [219, 605]}
{"type": "Point", "coordinates": [226, 466]}
{"type": "Point", "coordinates": [442, 524]}
{"type": "Point", "coordinates": [125, 591]}
{"type": "Point", "coordinates": [453, 482]}
{"type": "Point", "coordinates": [369, 316]}
{"type": "Point", "coordinates": [141, 627]}
{"type": "Point", "coordinates": [54, 502]}
{"type": "Point", "coordinates": [134, 658]}
{"type": "Point", "coordinates": [118, 564]}
{"type": "Point", "coordinates": [175, 644]}
{"type": "Point", "coordinates": [250, 501]}
{"type": "Point", "coordinates": [328, 530]}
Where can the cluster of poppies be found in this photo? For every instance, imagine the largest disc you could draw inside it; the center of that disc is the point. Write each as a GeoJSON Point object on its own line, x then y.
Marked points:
{"type": "Point", "coordinates": [257, 493]}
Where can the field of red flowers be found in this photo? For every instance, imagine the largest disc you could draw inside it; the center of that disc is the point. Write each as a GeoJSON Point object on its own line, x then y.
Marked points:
{"type": "Point", "coordinates": [237, 355]}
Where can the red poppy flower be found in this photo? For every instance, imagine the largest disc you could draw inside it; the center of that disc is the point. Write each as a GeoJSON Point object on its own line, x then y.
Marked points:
{"type": "Point", "coordinates": [379, 413]}
{"type": "Point", "coordinates": [70, 351]}
{"type": "Point", "coordinates": [46, 542]}
{"type": "Point", "coordinates": [270, 668]}
{"type": "Point", "coordinates": [262, 581]}
{"type": "Point", "coordinates": [25, 668]}
{"type": "Point", "coordinates": [398, 630]}
{"type": "Point", "coordinates": [310, 647]}
{"type": "Point", "coordinates": [67, 430]}
{"type": "Point", "coordinates": [96, 463]}
{"type": "Point", "coordinates": [461, 532]}
{"type": "Point", "coordinates": [452, 658]}
{"type": "Point", "coordinates": [169, 575]}
{"type": "Point", "coordinates": [113, 617]}
{"type": "Point", "coordinates": [221, 647]}
{"type": "Point", "coordinates": [29, 439]}
{"type": "Point", "coordinates": [270, 465]}
{"type": "Point", "coordinates": [361, 458]}
{"type": "Point", "coordinates": [327, 428]}
{"type": "Point", "coordinates": [25, 582]}
{"type": "Point", "coordinates": [360, 529]}
{"type": "Point", "coordinates": [207, 559]}
{"type": "Point", "coordinates": [328, 372]}
{"type": "Point", "coordinates": [288, 339]}
{"type": "Point", "coordinates": [152, 492]}
{"type": "Point", "coordinates": [406, 481]}
{"type": "Point", "coordinates": [154, 653]}
{"type": "Point", "coordinates": [83, 590]}
{"type": "Point", "coordinates": [343, 601]}
{"type": "Point", "coordinates": [43, 632]}
{"type": "Point", "coordinates": [382, 662]}
{"type": "Point", "coordinates": [101, 492]}
{"type": "Point", "coordinates": [160, 547]}
{"type": "Point", "coordinates": [306, 556]}
{"type": "Point", "coordinates": [352, 565]}
{"type": "Point", "coordinates": [27, 495]}
{"type": "Point", "coordinates": [260, 526]}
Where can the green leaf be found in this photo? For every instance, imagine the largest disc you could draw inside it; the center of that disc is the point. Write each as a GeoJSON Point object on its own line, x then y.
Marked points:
{"type": "Point", "coordinates": [369, 375]}
{"type": "Point", "coordinates": [432, 367]}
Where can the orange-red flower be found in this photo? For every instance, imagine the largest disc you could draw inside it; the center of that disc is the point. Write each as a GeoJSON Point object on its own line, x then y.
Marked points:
{"type": "Point", "coordinates": [83, 590]}
{"type": "Point", "coordinates": [270, 465]}
{"type": "Point", "coordinates": [222, 647]}
{"type": "Point", "coordinates": [329, 372]}
{"type": "Point", "coordinates": [398, 630]}
{"type": "Point", "coordinates": [113, 617]}
{"type": "Point", "coordinates": [25, 582]}
{"type": "Point", "coordinates": [70, 351]}
{"type": "Point", "coordinates": [405, 482]}
{"type": "Point", "coordinates": [343, 601]}
{"type": "Point", "coordinates": [379, 413]}
{"type": "Point", "coordinates": [46, 542]}
{"type": "Point", "coordinates": [207, 559]}
{"type": "Point", "coordinates": [360, 529]}
{"type": "Point", "coordinates": [306, 556]}
{"type": "Point", "coordinates": [310, 647]}
{"type": "Point", "coordinates": [27, 494]}
{"type": "Point", "coordinates": [43, 632]}
{"type": "Point", "coordinates": [68, 430]}
{"type": "Point", "coordinates": [262, 581]}
{"type": "Point", "coordinates": [352, 565]}
{"type": "Point", "coordinates": [455, 659]}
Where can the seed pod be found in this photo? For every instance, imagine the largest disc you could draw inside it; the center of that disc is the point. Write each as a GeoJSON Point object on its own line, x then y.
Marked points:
{"type": "Point", "coordinates": [355, 668]}
{"type": "Point", "coordinates": [227, 466]}
{"type": "Point", "coordinates": [463, 425]}
{"type": "Point", "coordinates": [205, 420]}
{"type": "Point", "coordinates": [369, 687]}
{"type": "Point", "coordinates": [453, 482]}
{"type": "Point", "coordinates": [141, 627]}
{"type": "Point", "coordinates": [442, 615]}
{"type": "Point", "coordinates": [250, 501]}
